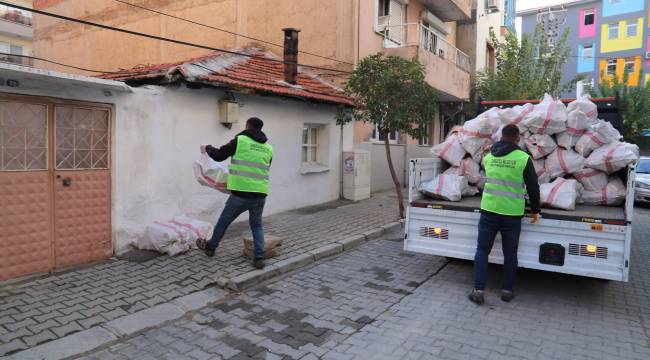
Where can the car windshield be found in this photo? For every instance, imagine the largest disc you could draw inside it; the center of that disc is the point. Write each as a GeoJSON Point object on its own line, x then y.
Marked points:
{"type": "Point", "coordinates": [643, 167]}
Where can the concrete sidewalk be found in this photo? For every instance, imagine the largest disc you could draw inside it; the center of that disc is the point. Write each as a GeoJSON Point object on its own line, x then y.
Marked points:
{"type": "Point", "coordinates": [40, 310]}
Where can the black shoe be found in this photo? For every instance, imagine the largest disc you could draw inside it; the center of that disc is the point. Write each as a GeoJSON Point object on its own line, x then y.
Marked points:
{"type": "Point", "coordinates": [507, 295]}
{"type": "Point", "coordinates": [203, 245]}
{"type": "Point", "coordinates": [259, 264]}
{"type": "Point", "coordinates": [477, 297]}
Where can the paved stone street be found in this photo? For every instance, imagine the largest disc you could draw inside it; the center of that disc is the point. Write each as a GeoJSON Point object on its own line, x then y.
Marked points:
{"type": "Point", "coordinates": [377, 302]}
{"type": "Point", "coordinates": [50, 307]}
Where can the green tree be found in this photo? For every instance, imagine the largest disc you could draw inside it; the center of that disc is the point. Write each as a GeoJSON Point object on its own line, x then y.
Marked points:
{"type": "Point", "coordinates": [525, 70]}
{"type": "Point", "coordinates": [634, 101]}
{"type": "Point", "coordinates": [391, 92]}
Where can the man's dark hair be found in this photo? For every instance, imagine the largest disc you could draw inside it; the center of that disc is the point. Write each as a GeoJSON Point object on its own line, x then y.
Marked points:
{"type": "Point", "coordinates": [510, 132]}
{"type": "Point", "coordinates": [255, 123]}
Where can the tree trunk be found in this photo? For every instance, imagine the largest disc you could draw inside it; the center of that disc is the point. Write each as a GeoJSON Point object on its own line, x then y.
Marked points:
{"type": "Point", "coordinates": [398, 186]}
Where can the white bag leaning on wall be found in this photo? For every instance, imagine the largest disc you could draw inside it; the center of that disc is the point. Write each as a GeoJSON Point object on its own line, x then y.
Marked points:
{"type": "Point", "coordinates": [211, 173]}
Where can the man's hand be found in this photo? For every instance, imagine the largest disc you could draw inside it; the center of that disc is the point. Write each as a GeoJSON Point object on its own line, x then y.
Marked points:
{"type": "Point", "coordinates": [203, 151]}
{"type": "Point", "coordinates": [534, 218]}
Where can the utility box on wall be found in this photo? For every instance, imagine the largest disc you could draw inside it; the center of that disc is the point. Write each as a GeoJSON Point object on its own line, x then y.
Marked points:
{"type": "Point", "coordinates": [356, 175]}
{"type": "Point", "coordinates": [228, 112]}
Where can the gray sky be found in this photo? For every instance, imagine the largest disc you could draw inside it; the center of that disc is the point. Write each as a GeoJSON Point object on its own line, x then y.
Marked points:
{"type": "Point", "coordinates": [527, 4]}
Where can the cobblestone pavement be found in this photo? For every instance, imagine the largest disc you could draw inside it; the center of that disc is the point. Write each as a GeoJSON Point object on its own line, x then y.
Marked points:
{"type": "Point", "coordinates": [50, 307]}
{"type": "Point", "coordinates": [377, 302]}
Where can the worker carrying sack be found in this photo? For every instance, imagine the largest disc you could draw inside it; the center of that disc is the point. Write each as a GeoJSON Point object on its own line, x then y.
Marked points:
{"type": "Point", "coordinates": [468, 168]}
{"type": "Point", "coordinates": [563, 162]}
{"type": "Point", "coordinates": [591, 179]}
{"type": "Point", "coordinates": [450, 151]}
{"type": "Point", "coordinates": [613, 157]}
{"type": "Point", "coordinates": [577, 125]}
{"type": "Point", "coordinates": [600, 134]}
{"type": "Point", "coordinates": [540, 145]}
{"type": "Point", "coordinates": [548, 117]}
{"type": "Point", "coordinates": [211, 173]}
{"type": "Point", "coordinates": [584, 105]}
{"type": "Point", "coordinates": [540, 169]}
{"type": "Point", "coordinates": [446, 187]}
{"type": "Point", "coordinates": [560, 194]}
{"type": "Point", "coordinates": [477, 133]}
{"type": "Point", "coordinates": [612, 195]}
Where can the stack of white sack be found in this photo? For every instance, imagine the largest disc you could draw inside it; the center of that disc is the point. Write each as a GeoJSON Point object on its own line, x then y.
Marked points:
{"type": "Point", "coordinates": [613, 194]}
{"type": "Point", "coordinates": [613, 157]}
{"type": "Point", "coordinates": [591, 179]}
{"type": "Point", "coordinates": [468, 168]}
{"type": "Point", "coordinates": [560, 194]}
{"type": "Point", "coordinates": [515, 115]}
{"type": "Point", "coordinates": [477, 133]}
{"type": "Point", "coordinates": [577, 125]}
{"type": "Point", "coordinates": [451, 150]}
{"type": "Point", "coordinates": [600, 134]}
{"type": "Point", "coordinates": [548, 117]}
{"type": "Point", "coordinates": [540, 145]}
{"type": "Point", "coordinates": [563, 162]}
{"type": "Point", "coordinates": [446, 187]}
{"type": "Point", "coordinates": [540, 169]}
{"type": "Point", "coordinates": [584, 105]}
{"type": "Point", "coordinates": [164, 238]}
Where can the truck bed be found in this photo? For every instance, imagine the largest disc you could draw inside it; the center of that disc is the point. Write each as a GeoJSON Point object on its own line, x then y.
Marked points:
{"type": "Point", "coordinates": [582, 213]}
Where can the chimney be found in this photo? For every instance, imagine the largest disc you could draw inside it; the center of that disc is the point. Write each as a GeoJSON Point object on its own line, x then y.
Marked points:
{"type": "Point", "coordinates": [291, 55]}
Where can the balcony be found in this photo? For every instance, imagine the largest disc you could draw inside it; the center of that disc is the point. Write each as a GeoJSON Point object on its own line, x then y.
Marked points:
{"type": "Point", "coordinates": [450, 10]}
{"type": "Point", "coordinates": [16, 60]}
{"type": "Point", "coordinates": [15, 23]}
{"type": "Point", "coordinates": [447, 68]}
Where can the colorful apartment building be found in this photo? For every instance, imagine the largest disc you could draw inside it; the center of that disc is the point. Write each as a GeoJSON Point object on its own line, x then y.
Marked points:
{"type": "Point", "coordinates": [16, 33]}
{"type": "Point", "coordinates": [608, 38]}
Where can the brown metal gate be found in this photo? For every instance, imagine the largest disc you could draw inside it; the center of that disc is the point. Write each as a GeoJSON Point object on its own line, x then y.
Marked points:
{"type": "Point", "coordinates": [54, 185]}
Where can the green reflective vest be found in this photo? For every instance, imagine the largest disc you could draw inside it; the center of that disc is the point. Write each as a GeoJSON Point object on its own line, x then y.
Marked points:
{"type": "Point", "coordinates": [505, 191]}
{"type": "Point", "coordinates": [249, 167]}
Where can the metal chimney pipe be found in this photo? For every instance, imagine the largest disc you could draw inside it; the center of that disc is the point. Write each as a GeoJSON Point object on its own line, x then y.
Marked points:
{"type": "Point", "coordinates": [291, 55]}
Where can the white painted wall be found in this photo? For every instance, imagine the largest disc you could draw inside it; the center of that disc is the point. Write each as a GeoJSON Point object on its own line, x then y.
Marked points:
{"type": "Point", "coordinates": [484, 22]}
{"type": "Point", "coordinates": [380, 178]}
{"type": "Point", "coordinates": [157, 132]}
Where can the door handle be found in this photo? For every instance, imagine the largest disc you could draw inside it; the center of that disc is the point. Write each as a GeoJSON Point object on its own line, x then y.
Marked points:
{"type": "Point", "coordinates": [67, 181]}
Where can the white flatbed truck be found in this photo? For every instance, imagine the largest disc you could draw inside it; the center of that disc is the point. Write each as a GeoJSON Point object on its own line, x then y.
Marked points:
{"type": "Point", "coordinates": [591, 241]}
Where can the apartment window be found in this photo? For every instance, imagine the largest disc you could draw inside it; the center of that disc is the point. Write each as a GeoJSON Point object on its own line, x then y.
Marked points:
{"type": "Point", "coordinates": [630, 65]}
{"type": "Point", "coordinates": [425, 134]}
{"type": "Point", "coordinates": [584, 86]}
{"type": "Point", "coordinates": [378, 136]}
{"type": "Point", "coordinates": [611, 67]}
{"type": "Point", "coordinates": [588, 52]}
{"type": "Point", "coordinates": [612, 32]}
{"type": "Point", "coordinates": [490, 57]}
{"type": "Point", "coordinates": [631, 29]}
{"type": "Point", "coordinates": [384, 7]}
{"type": "Point", "coordinates": [589, 17]}
{"type": "Point", "coordinates": [310, 153]}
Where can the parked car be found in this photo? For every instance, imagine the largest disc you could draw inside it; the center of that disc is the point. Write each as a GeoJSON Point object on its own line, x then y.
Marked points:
{"type": "Point", "coordinates": [642, 180]}
{"type": "Point", "coordinates": [645, 132]}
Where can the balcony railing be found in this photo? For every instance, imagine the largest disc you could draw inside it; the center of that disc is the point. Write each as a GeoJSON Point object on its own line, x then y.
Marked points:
{"type": "Point", "coordinates": [416, 34]}
{"type": "Point", "coordinates": [18, 60]}
{"type": "Point", "coordinates": [16, 16]}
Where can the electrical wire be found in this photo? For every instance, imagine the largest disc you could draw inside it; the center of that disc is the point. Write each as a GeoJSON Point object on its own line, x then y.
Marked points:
{"type": "Point", "coordinates": [226, 31]}
{"type": "Point", "coordinates": [57, 63]}
{"type": "Point", "coordinates": [160, 38]}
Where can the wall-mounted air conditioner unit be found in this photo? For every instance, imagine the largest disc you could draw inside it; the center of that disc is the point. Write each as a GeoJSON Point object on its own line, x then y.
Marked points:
{"type": "Point", "coordinates": [492, 5]}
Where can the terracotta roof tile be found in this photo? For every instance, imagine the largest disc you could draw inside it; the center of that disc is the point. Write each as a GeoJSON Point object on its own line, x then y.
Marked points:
{"type": "Point", "coordinates": [229, 70]}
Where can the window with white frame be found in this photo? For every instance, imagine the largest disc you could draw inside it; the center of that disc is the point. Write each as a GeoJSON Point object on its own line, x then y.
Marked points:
{"type": "Point", "coordinates": [425, 134]}
{"type": "Point", "coordinates": [630, 65]}
{"type": "Point", "coordinates": [631, 28]}
{"type": "Point", "coordinates": [310, 153]}
{"type": "Point", "coordinates": [612, 31]}
{"type": "Point", "coordinates": [589, 17]}
{"type": "Point", "coordinates": [611, 67]}
{"type": "Point", "coordinates": [588, 52]}
{"type": "Point", "coordinates": [389, 20]}
{"type": "Point", "coordinates": [378, 136]}
{"type": "Point", "coordinates": [584, 86]}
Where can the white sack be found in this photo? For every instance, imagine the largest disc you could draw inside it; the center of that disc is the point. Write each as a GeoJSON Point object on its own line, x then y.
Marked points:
{"type": "Point", "coordinates": [446, 187]}
{"type": "Point", "coordinates": [591, 179]}
{"type": "Point", "coordinates": [563, 162]}
{"type": "Point", "coordinates": [560, 194]}
{"type": "Point", "coordinates": [548, 117]}
{"type": "Point", "coordinates": [164, 238]}
{"type": "Point", "coordinates": [613, 194]}
{"type": "Point", "coordinates": [477, 133]}
{"type": "Point", "coordinates": [468, 168]}
{"type": "Point", "coordinates": [584, 105]}
{"type": "Point", "coordinates": [197, 229]}
{"type": "Point", "coordinates": [577, 125]}
{"type": "Point", "coordinates": [470, 191]}
{"type": "Point", "coordinates": [613, 157]}
{"type": "Point", "coordinates": [540, 169]}
{"type": "Point", "coordinates": [211, 173]}
{"type": "Point", "coordinates": [451, 150]}
{"type": "Point", "coordinates": [600, 134]}
{"type": "Point", "coordinates": [540, 145]}
{"type": "Point", "coordinates": [516, 115]}
{"type": "Point", "coordinates": [483, 179]}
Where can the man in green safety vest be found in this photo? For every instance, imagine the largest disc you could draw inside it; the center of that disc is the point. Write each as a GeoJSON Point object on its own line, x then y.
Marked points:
{"type": "Point", "coordinates": [248, 181]}
{"type": "Point", "coordinates": [510, 175]}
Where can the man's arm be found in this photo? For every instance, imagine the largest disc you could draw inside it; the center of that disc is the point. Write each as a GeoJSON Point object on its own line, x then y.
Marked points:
{"type": "Point", "coordinates": [532, 186]}
{"type": "Point", "coordinates": [222, 153]}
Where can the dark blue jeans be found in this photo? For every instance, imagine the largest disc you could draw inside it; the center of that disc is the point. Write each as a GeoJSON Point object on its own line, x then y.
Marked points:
{"type": "Point", "coordinates": [488, 226]}
{"type": "Point", "coordinates": [235, 206]}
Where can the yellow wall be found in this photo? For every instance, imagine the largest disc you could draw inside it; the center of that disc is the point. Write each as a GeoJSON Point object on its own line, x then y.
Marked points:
{"type": "Point", "coordinates": [623, 42]}
{"type": "Point", "coordinates": [633, 78]}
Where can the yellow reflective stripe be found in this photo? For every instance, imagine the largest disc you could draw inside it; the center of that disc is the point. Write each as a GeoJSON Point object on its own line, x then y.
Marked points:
{"type": "Point", "coordinates": [250, 164]}
{"type": "Point", "coordinates": [504, 193]}
{"type": "Point", "coordinates": [248, 174]}
{"type": "Point", "coordinates": [513, 184]}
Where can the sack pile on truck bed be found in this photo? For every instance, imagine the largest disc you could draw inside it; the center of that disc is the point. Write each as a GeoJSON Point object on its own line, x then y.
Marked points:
{"type": "Point", "coordinates": [579, 159]}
